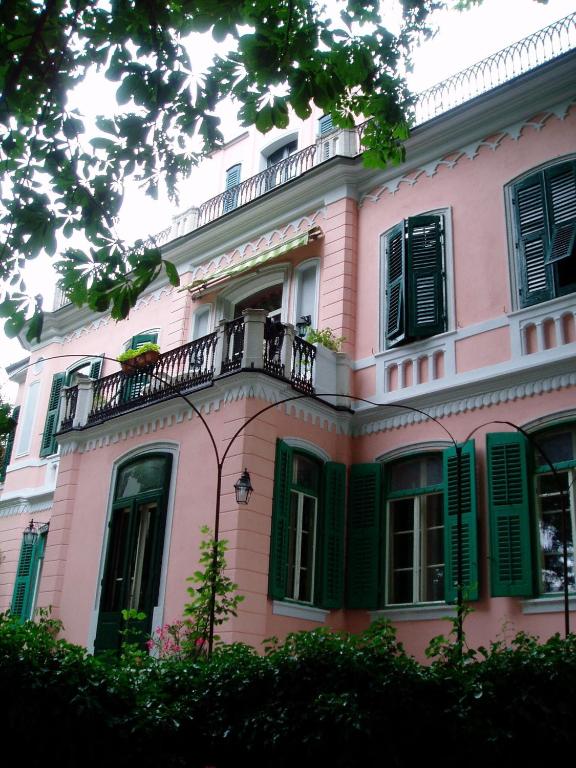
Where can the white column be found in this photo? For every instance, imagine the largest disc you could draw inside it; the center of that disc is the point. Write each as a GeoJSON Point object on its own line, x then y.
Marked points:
{"type": "Point", "coordinates": [84, 402]}
{"type": "Point", "coordinates": [220, 347]}
{"type": "Point", "coordinates": [254, 320]}
{"type": "Point", "coordinates": [287, 349]}
{"type": "Point", "coordinates": [541, 336]}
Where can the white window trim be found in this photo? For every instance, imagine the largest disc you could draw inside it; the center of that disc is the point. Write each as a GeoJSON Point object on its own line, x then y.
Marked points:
{"type": "Point", "coordinates": [296, 610]}
{"type": "Point", "coordinates": [295, 586]}
{"type": "Point", "coordinates": [25, 426]}
{"type": "Point", "coordinates": [275, 145]}
{"type": "Point", "coordinates": [255, 282]}
{"type": "Point", "coordinates": [303, 267]}
{"type": "Point", "coordinates": [203, 309]}
{"type": "Point", "coordinates": [449, 296]}
{"type": "Point", "coordinates": [423, 612]}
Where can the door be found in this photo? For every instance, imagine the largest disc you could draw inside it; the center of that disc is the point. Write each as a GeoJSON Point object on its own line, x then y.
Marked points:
{"type": "Point", "coordinates": [133, 561]}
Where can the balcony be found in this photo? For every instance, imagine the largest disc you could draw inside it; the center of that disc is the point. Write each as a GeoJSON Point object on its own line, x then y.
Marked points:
{"type": "Point", "coordinates": [248, 343]}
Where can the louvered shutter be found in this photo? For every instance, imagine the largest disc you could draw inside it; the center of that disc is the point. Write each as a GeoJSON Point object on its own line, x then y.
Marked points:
{"type": "Point", "coordinates": [95, 369]}
{"type": "Point", "coordinates": [139, 339]}
{"type": "Point", "coordinates": [469, 553]}
{"type": "Point", "coordinates": [9, 447]}
{"type": "Point", "coordinates": [365, 548]}
{"type": "Point", "coordinates": [395, 329]}
{"type": "Point", "coordinates": [278, 573]}
{"type": "Point", "coordinates": [509, 515]}
{"type": "Point", "coordinates": [49, 444]}
{"type": "Point", "coordinates": [232, 180]}
{"type": "Point", "coordinates": [325, 125]}
{"type": "Point", "coordinates": [533, 240]}
{"type": "Point", "coordinates": [330, 548]}
{"type": "Point", "coordinates": [561, 189]}
{"type": "Point", "coordinates": [425, 277]}
{"type": "Point", "coordinates": [25, 578]}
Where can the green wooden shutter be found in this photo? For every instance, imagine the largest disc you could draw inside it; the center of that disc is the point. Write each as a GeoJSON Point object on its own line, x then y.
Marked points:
{"type": "Point", "coordinates": [395, 329]}
{"type": "Point", "coordinates": [365, 547]}
{"type": "Point", "coordinates": [330, 547]}
{"type": "Point", "coordinates": [425, 277]}
{"type": "Point", "coordinates": [509, 515]}
{"type": "Point", "coordinates": [278, 572]}
{"type": "Point", "coordinates": [26, 578]}
{"type": "Point", "coordinates": [232, 180]}
{"type": "Point", "coordinates": [9, 447]}
{"type": "Point", "coordinates": [561, 191]}
{"type": "Point", "coordinates": [469, 523]}
{"type": "Point", "coordinates": [142, 338]}
{"type": "Point", "coordinates": [95, 369]}
{"type": "Point", "coordinates": [49, 444]}
{"type": "Point", "coordinates": [533, 240]}
{"type": "Point", "coordinates": [325, 125]}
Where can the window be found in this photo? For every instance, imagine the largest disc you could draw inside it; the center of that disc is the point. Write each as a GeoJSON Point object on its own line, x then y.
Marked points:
{"type": "Point", "coordinates": [414, 280]}
{"type": "Point", "coordinates": [306, 292]}
{"type": "Point", "coordinates": [135, 544]}
{"type": "Point", "coordinates": [545, 219]}
{"type": "Point", "coordinates": [232, 181]}
{"type": "Point", "coordinates": [49, 444]}
{"type": "Point", "coordinates": [403, 530]}
{"type": "Point", "coordinates": [201, 323]}
{"type": "Point", "coordinates": [325, 125]}
{"type": "Point", "coordinates": [134, 383]}
{"type": "Point", "coordinates": [28, 576]}
{"type": "Point", "coordinates": [285, 171]}
{"type": "Point", "coordinates": [526, 510]}
{"type": "Point", "coordinates": [307, 543]}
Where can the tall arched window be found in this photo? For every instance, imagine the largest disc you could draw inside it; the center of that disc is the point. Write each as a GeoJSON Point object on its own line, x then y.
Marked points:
{"type": "Point", "coordinates": [135, 543]}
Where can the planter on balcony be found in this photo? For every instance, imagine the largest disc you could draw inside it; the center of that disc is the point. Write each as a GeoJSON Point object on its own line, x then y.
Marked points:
{"type": "Point", "coordinates": [144, 357]}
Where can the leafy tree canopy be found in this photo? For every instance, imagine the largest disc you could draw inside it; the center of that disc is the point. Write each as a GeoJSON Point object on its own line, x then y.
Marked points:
{"type": "Point", "coordinates": [61, 178]}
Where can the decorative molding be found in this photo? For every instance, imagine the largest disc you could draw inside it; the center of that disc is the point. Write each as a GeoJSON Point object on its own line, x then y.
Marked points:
{"type": "Point", "coordinates": [472, 403]}
{"type": "Point", "coordinates": [470, 151]}
{"type": "Point", "coordinates": [305, 445]}
{"type": "Point", "coordinates": [250, 248]}
{"type": "Point", "coordinates": [412, 450]}
{"type": "Point", "coordinates": [154, 418]}
{"type": "Point", "coordinates": [299, 611]}
{"type": "Point", "coordinates": [26, 506]}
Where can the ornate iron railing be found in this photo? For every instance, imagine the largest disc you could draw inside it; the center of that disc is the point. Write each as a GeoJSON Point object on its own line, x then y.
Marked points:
{"type": "Point", "coordinates": [70, 402]}
{"type": "Point", "coordinates": [233, 345]}
{"type": "Point", "coordinates": [273, 342]}
{"type": "Point", "coordinates": [257, 185]}
{"type": "Point", "coordinates": [303, 357]}
{"type": "Point", "coordinates": [181, 369]}
{"type": "Point", "coordinates": [516, 59]}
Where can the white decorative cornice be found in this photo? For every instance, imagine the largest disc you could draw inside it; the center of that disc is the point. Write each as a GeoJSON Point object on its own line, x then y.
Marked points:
{"type": "Point", "coordinates": [470, 151]}
{"type": "Point", "coordinates": [252, 247]}
{"type": "Point", "coordinates": [465, 404]}
{"type": "Point", "coordinates": [26, 506]}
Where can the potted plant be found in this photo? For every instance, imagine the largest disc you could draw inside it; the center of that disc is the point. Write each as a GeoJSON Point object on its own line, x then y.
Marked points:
{"type": "Point", "coordinates": [144, 356]}
{"type": "Point", "coordinates": [326, 337]}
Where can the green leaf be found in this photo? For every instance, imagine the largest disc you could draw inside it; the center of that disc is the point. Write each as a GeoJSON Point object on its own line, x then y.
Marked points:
{"type": "Point", "coordinates": [172, 273]}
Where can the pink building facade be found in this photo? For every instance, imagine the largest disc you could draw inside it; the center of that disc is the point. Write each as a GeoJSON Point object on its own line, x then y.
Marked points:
{"type": "Point", "coordinates": [452, 278]}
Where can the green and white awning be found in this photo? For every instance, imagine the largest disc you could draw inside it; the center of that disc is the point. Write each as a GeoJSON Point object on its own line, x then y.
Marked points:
{"type": "Point", "coordinates": [198, 287]}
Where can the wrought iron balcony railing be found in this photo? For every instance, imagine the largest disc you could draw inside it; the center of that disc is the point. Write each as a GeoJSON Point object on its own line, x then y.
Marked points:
{"type": "Point", "coordinates": [191, 367]}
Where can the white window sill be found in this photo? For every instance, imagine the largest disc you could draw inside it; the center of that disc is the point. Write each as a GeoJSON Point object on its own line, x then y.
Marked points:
{"type": "Point", "coordinates": [551, 604]}
{"type": "Point", "coordinates": [299, 611]}
{"type": "Point", "coordinates": [422, 612]}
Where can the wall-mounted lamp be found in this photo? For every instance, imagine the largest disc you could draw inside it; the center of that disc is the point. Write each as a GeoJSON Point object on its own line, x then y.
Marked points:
{"type": "Point", "coordinates": [243, 488]}
{"type": "Point", "coordinates": [32, 530]}
{"type": "Point", "coordinates": [302, 325]}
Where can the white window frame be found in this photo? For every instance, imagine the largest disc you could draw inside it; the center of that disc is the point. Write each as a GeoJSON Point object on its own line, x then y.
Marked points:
{"type": "Point", "coordinates": [26, 422]}
{"type": "Point", "coordinates": [253, 283]}
{"type": "Point", "coordinates": [297, 284]}
{"type": "Point", "coordinates": [205, 309]}
{"type": "Point", "coordinates": [295, 585]}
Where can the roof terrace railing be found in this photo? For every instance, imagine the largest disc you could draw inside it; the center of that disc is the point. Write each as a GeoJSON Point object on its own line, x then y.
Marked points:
{"type": "Point", "coordinates": [499, 68]}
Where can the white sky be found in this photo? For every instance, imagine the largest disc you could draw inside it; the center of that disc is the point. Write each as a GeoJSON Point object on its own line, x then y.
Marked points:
{"type": "Point", "coordinates": [462, 39]}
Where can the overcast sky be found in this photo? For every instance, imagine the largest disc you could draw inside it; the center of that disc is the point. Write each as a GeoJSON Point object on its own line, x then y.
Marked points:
{"type": "Point", "coordinates": [462, 39]}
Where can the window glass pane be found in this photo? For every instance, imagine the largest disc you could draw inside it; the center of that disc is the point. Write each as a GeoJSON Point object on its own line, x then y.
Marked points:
{"type": "Point", "coordinates": [307, 549]}
{"type": "Point", "coordinates": [305, 472]}
{"type": "Point", "coordinates": [401, 550]}
{"type": "Point", "coordinates": [557, 447]}
{"type": "Point", "coordinates": [201, 319]}
{"type": "Point", "coordinates": [551, 532]}
{"type": "Point", "coordinates": [306, 303]}
{"type": "Point", "coordinates": [140, 571]}
{"type": "Point", "coordinates": [292, 544]}
{"type": "Point", "coordinates": [410, 474]}
{"type": "Point", "coordinates": [113, 593]}
{"type": "Point", "coordinates": [142, 476]}
{"type": "Point", "coordinates": [433, 547]}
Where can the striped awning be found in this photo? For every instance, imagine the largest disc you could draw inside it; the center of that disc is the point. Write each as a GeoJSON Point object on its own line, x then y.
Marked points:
{"type": "Point", "coordinates": [198, 287]}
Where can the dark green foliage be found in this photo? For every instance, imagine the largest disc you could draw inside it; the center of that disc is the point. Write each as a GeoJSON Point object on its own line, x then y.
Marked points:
{"type": "Point", "coordinates": [319, 698]}
{"type": "Point", "coordinates": [60, 178]}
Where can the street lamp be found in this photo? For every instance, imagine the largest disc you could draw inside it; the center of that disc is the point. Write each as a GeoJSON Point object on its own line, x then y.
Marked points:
{"type": "Point", "coordinates": [30, 533]}
{"type": "Point", "coordinates": [302, 325]}
{"type": "Point", "coordinates": [243, 488]}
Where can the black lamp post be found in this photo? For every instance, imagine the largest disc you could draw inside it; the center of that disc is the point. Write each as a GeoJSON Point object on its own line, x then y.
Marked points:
{"type": "Point", "coordinates": [302, 325]}
{"type": "Point", "coordinates": [30, 533]}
